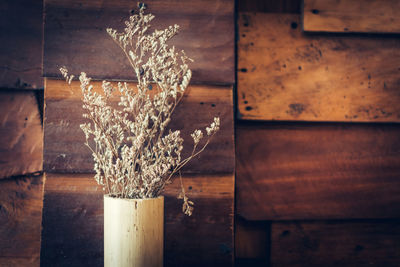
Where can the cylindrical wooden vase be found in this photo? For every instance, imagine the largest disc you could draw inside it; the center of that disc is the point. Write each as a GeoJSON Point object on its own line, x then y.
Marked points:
{"type": "Point", "coordinates": [133, 232]}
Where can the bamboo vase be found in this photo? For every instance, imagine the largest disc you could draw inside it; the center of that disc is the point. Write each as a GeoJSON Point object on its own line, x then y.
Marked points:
{"type": "Point", "coordinates": [133, 232]}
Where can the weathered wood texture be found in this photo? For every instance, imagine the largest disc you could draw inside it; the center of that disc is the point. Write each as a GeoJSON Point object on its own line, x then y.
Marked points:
{"type": "Point", "coordinates": [273, 6]}
{"type": "Point", "coordinates": [64, 150]}
{"type": "Point", "coordinates": [367, 16]}
{"type": "Point", "coordinates": [371, 243]}
{"type": "Point", "coordinates": [21, 142]}
{"type": "Point", "coordinates": [317, 171]}
{"type": "Point", "coordinates": [75, 36]}
{"type": "Point", "coordinates": [73, 222]}
{"type": "Point", "coordinates": [252, 239]}
{"type": "Point", "coordinates": [21, 202]}
{"type": "Point", "coordinates": [286, 75]}
{"type": "Point", "coordinates": [21, 28]}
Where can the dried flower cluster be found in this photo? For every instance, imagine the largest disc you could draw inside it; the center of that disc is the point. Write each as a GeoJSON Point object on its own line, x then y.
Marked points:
{"type": "Point", "coordinates": [135, 155]}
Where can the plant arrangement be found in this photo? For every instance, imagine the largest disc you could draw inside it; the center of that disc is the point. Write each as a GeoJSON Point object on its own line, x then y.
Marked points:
{"type": "Point", "coordinates": [135, 153]}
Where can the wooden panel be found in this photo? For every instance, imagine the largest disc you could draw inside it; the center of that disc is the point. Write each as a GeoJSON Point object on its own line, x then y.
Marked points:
{"type": "Point", "coordinates": [317, 171]}
{"type": "Point", "coordinates": [252, 240]}
{"type": "Point", "coordinates": [21, 28]}
{"type": "Point", "coordinates": [21, 202]}
{"type": "Point", "coordinates": [75, 37]}
{"type": "Point", "coordinates": [274, 6]}
{"type": "Point", "coordinates": [21, 142]}
{"type": "Point", "coordinates": [372, 16]}
{"type": "Point", "coordinates": [336, 244]}
{"type": "Point", "coordinates": [64, 150]}
{"type": "Point", "coordinates": [286, 75]}
{"type": "Point", "coordinates": [73, 222]}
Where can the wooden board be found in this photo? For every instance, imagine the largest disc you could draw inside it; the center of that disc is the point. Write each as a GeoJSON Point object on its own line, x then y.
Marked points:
{"type": "Point", "coordinates": [21, 32]}
{"type": "Point", "coordinates": [73, 222]}
{"type": "Point", "coordinates": [273, 6]}
{"type": "Point", "coordinates": [368, 16]}
{"type": "Point", "coordinates": [371, 243]}
{"type": "Point", "coordinates": [64, 150]}
{"type": "Point", "coordinates": [21, 202]}
{"type": "Point", "coordinates": [75, 36]}
{"type": "Point", "coordinates": [284, 74]}
{"type": "Point", "coordinates": [252, 240]}
{"type": "Point", "coordinates": [21, 142]}
{"type": "Point", "coordinates": [317, 171]}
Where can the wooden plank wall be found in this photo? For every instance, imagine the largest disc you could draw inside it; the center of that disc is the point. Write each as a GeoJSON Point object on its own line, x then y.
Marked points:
{"type": "Point", "coordinates": [73, 209]}
{"type": "Point", "coordinates": [317, 136]}
{"type": "Point", "coordinates": [21, 133]}
{"type": "Point", "coordinates": [368, 16]}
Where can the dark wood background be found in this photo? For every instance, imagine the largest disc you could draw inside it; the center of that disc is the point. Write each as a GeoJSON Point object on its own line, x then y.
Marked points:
{"type": "Point", "coordinates": [317, 136]}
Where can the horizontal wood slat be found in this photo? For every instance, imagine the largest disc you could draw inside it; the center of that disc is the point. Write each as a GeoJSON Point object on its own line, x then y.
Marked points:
{"type": "Point", "coordinates": [21, 202]}
{"type": "Point", "coordinates": [317, 171]}
{"type": "Point", "coordinates": [75, 36]}
{"type": "Point", "coordinates": [273, 6]}
{"type": "Point", "coordinates": [21, 35]}
{"type": "Point", "coordinates": [369, 16]}
{"type": "Point", "coordinates": [371, 243]}
{"type": "Point", "coordinates": [64, 150]}
{"type": "Point", "coordinates": [284, 74]}
{"type": "Point", "coordinates": [73, 222]}
{"type": "Point", "coordinates": [21, 142]}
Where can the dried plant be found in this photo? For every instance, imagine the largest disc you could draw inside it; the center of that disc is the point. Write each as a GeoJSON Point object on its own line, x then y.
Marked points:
{"type": "Point", "coordinates": [135, 155]}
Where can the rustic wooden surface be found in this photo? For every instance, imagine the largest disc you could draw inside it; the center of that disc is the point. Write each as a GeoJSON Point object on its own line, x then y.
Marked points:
{"type": "Point", "coordinates": [21, 31]}
{"type": "Point", "coordinates": [21, 142]}
{"type": "Point", "coordinates": [371, 243]}
{"type": "Point", "coordinates": [317, 171]}
{"type": "Point", "coordinates": [367, 16]}
{"type": "Point", "coordinates": [75, 36]}
{"type": "Point", "coordinates": [275, 6]}
{"type": "Point", "coordinates": [73, 222]}
{"type": "Point", "coordinates": [21, 202]}
{"type": "Point", "coordinates": [284, 74]}
{"type": "Point", "coordinates": [252, 240]}
{"type": "Point", "coordinates": [63, 139]}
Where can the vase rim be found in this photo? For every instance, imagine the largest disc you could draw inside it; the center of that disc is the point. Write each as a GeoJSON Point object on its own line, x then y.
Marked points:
{"type": "Point", "coordinates": [133, 199]}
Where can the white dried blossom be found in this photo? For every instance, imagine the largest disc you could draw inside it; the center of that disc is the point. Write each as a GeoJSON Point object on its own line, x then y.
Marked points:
{"type": "Point", "coordinates": [134, 155]}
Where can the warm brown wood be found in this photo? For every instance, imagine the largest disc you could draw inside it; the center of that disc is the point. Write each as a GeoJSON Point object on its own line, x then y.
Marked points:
{"type": "Point", "coordinates": [21, 134]}
{"type": "Point", "coordinates": [317, 171]}
{"type": "Point", "coordinates": [21, 44]}
{"type": "Point", "coordinates": [75, 36]}
{"type": "Point", "coordinates": [284, 74]}
{"type": "Point", "coordinates": [133, 232]}
{"type": "Point", "coordinates": [73, 222]}
{"type": "Point", "coordinates": [370, 16]}
{"type": "Point", "coordinates": [273, 6]}
{"type": "Point", "coordinates": [21, 202]}
{"type": "Point", "coordinates": [64, 150]}
{"type": "Point", "coordinates": [371, 243]}
{"type": "Point", "coordinates": [252, 239]}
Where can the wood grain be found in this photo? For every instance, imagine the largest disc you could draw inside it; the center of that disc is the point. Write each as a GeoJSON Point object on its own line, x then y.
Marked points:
{"type": "Point", "coordinates": [21, 35]}
{"type": "Point", "coordinates": [252, 240]}
{"type": "Point", "coordinates": [367, 16]}
{"type": "Point", "coordinates": [360, 243]}
{"type": "Point", "coordinates": [21, 202]}
{"type": "Point", "coordinates": [133, 232]}
{"type": "Point", "coordinates": [284, 74]}
{"type": "Point", "coordinates": [75, 36]}
{"type": "Point", "coordinates": [73, 222]}
{"type": "Point", "coordinates": [21, 142]}
{"type": "Point", "coordinates": [273, 6]}
{"type": "Point", "coordinates": [63, 139]}
{"type": "Point", "coordinates": [317, 171]}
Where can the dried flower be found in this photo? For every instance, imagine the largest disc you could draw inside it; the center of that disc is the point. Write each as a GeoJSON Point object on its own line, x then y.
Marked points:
{"type": "Point", "coordinates": [134, 156]}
